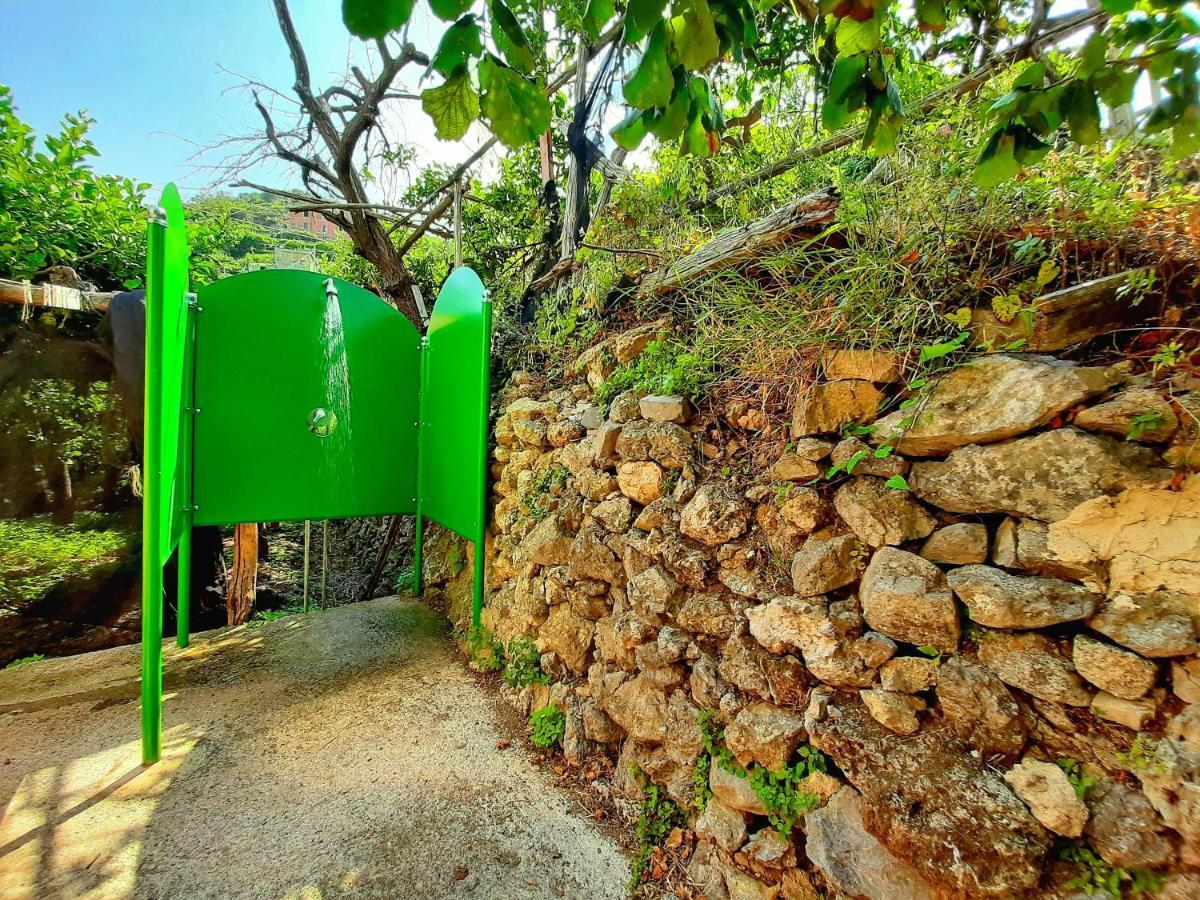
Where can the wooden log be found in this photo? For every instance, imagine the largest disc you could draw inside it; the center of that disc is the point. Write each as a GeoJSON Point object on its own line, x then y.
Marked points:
{"type": "Point", "coordinates": [242, 588]}
{"type": "Point", "coordinates": [1062, 318]}
{"type": "Point", "coordinates": [791, 223]}
{"type": "Point", "coordinates": [14, 292]}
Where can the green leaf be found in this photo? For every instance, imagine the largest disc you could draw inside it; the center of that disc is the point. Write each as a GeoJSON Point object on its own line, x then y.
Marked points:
{"type": "Point", "coordinates": [452, 106]}
{"type": "Point", "coordinates": [695, 36]}
{"type": "Point", "coordinates": [1115, 84]}
{"type": "Point", "coordinates": [931, 15]}
{"type": "Point", "coordinates": [641, 18]}
{"type": "Point", "coordinates": [375, 18]}
{"type": "Point", "coordinates": [511, 39]}
{"type": "Point", "coordinates": [897, 483]}
{"type": "Point", "coordinates": [1116, 7]}
{"type": "Point", "coordinates": [631, 130]}
{"type": "Point", "coordinates": [462, 41]}
{"type": "Point", "coordinates": [1028, 148]}
{"type": "Point", "coordinates": [1092, 56]}
{"type": "Point", "coordinates": [853, 36]}
{"type": "Point", "coordinates": [651, 83]}
{"type": "Point", "coordinates": [449, 10]}
{"type": "Point", "coordinates": [1033, 76]}
{"type": "Point", "coordinates": [596, 16]}
{"type": "Point", "coordinates": [1082, 112]}
{"type": "Point", "coordinates": [516, 108]}
{"type": "Point", "coordinates": [846, 92]}
{"type": "Point", "coordinates": [668, 124]}
{"type": "Point", "coordinates": [997, 163]}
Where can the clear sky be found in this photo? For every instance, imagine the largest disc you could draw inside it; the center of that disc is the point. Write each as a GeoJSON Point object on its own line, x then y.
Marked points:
{"type": "Point", "coordinates": [148, 71]}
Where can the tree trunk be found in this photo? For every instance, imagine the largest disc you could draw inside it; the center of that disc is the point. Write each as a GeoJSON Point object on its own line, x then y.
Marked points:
{"type": "Point", "coordinates": [243, 578]}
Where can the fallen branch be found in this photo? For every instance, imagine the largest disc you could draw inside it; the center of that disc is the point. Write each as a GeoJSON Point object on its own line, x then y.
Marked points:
{"type": "Point", "coordinates": [790, 223]}
{"type": "Point", "coordinates": [53, 296]}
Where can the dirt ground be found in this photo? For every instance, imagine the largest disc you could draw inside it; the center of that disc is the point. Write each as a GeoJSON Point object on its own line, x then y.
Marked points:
{"type": "Point", "coordinates": [346, 753]}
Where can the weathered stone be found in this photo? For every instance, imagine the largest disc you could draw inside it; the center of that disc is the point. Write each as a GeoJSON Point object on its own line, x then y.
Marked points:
{"type": "Point", "coordinates": [685, 562]}
{"type": "Point", "coordinates": [590, 556]}
{"type": "Point", "coordinates": [793, 467]}
{"type": "Point", "coordinates": [1185, 679]}
{"type": "Point", "coordinates": [821, 566]}
{"type": "Point", "coordinates": [704, 871]}
{"type": "Point", "coordinates": [852, 859]}
{"type": "Point", "coordinates": [1044, 476]}
{"type": "Point", "coordinates": [640, 709]}
{"type": "Point", "coordinates": [1031, 662]}
{"type": "Point", "coordinates": [961, 544]}
{"type": "Point", "coordinates": [641, 482]}
{"type": "Point", "coordinates": [908, 674]}
{"type": "Point", "coordinates": [999, 600]}
{"type": "Point", "coordinates": [1148, 624]}
{"type": "Point", "coordinates": [797, 884]}
{"type": "Point", "coordinates": [662, 674]}
{"type": "Point", "coordinates": [767, 854]}
{"type": "Point", "coordinates": [654, 592]}
{"type": "Point", "coordinates": [597, 726]}
{"type": "Point", "coordinates": [569, 636]}
{"type": "Point", "coordinates": [615, 514]}
{"type": "Point", "coordinates": [619, 634]}
{"type": "Point", "coordinates": [734, 791]}
{"type": "Point", "coordinates": [874, 649]}
{"type": "Point", "coordinates": [1147, 539]}
{"type": "Point", "coordinates": [590, 417]}
{"type": "Point", "coordinates": [769, 676]}
{"type": "Point", "coordinates": [526, 409]}
{"type": "Point", "coordinates": [765, 734]}
{"type": "Point", "coordinates": [825, 408]}
{"type": "Point", "coordinates": [863, 365]}
{"type": "Point", "coordinates": [1124, 828]}
{"type": "Point", "coordinates": [624, 407]}
{"type": "Point", "coordinates": [663, 442]}
{"type": "Point", "coordinates": [705, 682]}
{"type": "Point", "coordinates": [881, 515]}
{"type": "Point", "coordinates": [942, 811]}
{"type": "Point", "coordinates": [531, 432]}
{"type": "Point", "coordinates": [714, 515]}
{"type": "Point", "coordinates": [548, 544]}
{"type": "Point", "coordinates": [1171, 780]}
{"type": "Point", "coordinates": [788, 623]}
{"type": "Point", "coordinates": [1134, 714]}
{"type": "Point", "coordinates": [895, 712]}
{"type": "Point", "coordinates": [1044, 788]}
{"type": "Point", "coordinates": [745, 887]}
{"type": "Point", "coordinates": [740, 567]}
{"type": "Point", "coordinates": [588, 604]}
{"type": "Point", "coordinates": [563, 432]}
{"type": "Point", "coordinates": [979, 708]}
{"type": "Point", "coordinates": [722, 825]}
{"type": "Point", "coordinates": [665, 408]}
{"type": "Point", "coordinates": [857, 458]}
{"type": "Point", "coordinates": [1112, 669]}
{"type": "Point", "coordinates": [1024, 544]}
{"type": "Point", "coordinates": [907, 598]}
{"type": "Point", "coordinates": [672, 644]}
{"type": "Point", "coordinates": [684, 739]}
{"type": "Point", "coordinates": [990, 399]}
{"type": "Point", "coordinates": [604, 446]}
{"type": "Point", "coordinates": [708, 613]}
{"type": "Point", "coordinates": [813, 449]}
{"type": "Point", "coordinates": [1139, 414]}
{"type": "Point", "coordinates": [657, 514]}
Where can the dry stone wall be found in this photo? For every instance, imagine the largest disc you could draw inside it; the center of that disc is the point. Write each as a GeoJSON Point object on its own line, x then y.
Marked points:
{"type": "Point", "coordinates": [998, 666]}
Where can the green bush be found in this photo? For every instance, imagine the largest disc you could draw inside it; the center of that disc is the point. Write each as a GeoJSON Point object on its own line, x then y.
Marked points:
{"type": "Point", "coordinates": [548, 726]}
{"type": "Point", "coordinates": [665, 367]}
{"type": "Point", "coordinates": [523, 664]}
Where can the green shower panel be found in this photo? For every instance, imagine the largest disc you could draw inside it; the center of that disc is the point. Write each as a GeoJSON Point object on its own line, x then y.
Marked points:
{"type": "Point", "coordinates": [455, 414]}
{"type": "Point", "coordinates": [306, 399]}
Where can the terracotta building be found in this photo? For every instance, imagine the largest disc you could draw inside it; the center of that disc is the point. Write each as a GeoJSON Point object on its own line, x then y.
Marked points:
{"type": "Point", "coordinates": [312, 222]}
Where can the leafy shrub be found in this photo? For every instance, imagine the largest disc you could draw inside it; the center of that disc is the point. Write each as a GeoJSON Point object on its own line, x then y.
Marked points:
{"type": "Point", "coordinates": [486, 652]}
{"type": "Point", "coordinates": [658, 816]}
{"type": "Point", "coordinates": [665, 367]}
{"type": "Point", "coordinates": [1097, 875]}
{"type": "Point", "coordinates": [26, 660]}
{"type": "Point", "coordinates": [523, 664]}
{"type": "Point", "coordinates": [548, 726]}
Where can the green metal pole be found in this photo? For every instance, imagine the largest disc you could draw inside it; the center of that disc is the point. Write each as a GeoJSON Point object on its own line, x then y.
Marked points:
{"type": "Point", "coordinates": [484, 416]}
{"type": "Point", "coordinates": [183, 607]}
{"type": "Point", "coordinates": [152, 581]}
{"type": "Point", "coordinates": [307, 541]}
{"type": "Point", "coordinates": [419, 530]}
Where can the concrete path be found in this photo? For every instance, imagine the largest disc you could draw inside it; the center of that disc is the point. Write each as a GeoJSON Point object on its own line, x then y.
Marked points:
{"type": "Point", "coordinates": [346, 753]}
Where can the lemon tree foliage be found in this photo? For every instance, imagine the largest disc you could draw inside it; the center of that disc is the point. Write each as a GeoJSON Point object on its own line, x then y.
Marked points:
{"type": "Point", "coordinates": [689, 62]}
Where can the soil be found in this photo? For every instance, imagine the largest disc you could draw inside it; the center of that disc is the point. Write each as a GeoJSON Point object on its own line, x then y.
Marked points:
{"type": "Point", "coordinates": [343, 753]}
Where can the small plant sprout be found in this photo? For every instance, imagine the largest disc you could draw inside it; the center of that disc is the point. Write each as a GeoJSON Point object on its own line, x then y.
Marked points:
{"type": "Point", "coordinates": [1142, 423]}
{"type": "Point", "coordinates": [1074, 772]}
{"type": "Point", "coordinates": [1167, 356]}
{"type": "Point", "coordinates": [547, 726]}
{"type": "Point", "coordinates": [522, 665]}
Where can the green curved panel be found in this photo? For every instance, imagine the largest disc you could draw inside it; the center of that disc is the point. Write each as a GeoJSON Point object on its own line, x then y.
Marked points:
{"type": "Point", "coordinates": [274, 346]}
{"type": "Point", "coordinates": [168, 328]}
{"type": "Point", "coordinates": [455, 406]}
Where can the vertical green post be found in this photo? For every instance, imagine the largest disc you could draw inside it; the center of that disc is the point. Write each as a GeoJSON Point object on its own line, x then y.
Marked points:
{"type": "Point", "coordinates": [152, 581]}
{"type": "Point", "coordinates": [484, 412]}
{"type": "Point", "coordinates": [183, 559]}
{"type": "Point", "coordinates": [419, 528]}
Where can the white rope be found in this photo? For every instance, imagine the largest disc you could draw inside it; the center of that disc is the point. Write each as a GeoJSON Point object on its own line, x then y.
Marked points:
{"type": "Point", "coordinates": [61, 297]}
{"type": "Point", "coordinates": [27, 303]}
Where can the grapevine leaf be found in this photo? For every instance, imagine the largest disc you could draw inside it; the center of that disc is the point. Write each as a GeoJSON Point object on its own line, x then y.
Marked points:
{"type": "Point", "coordinates": [516, 107]}
{"type": "Point", "coordinates": [375, 18]}
{"type": "Point", "coordinates": [651, 83]}
{"type": "Point", "coordinates": [462, 41]}
{"type": "Point", "coordinates": [596, 16]}
{"type": "Point", "coordinates": [631, 131]}
{"type": "Point", "coordinates": [641, 17]}
{"type": "Point", "coordinates": [511, 39]}
{"type": "Point", "coordinates": [668, 124]}
{"type": "Point", "coordinates": [449, 10]}
{"type": "Point", "coordinates": [846, 92]}
{"type": "Point", "coordinates": [997, 162]}
{"type": "Point", "coordinates": [1082, 112]}
{"type": "Point", "coordinates": [1092, 56]}
{"type": "Point", "coordinates": [695, 36]}
{"type": "Point", "coordinates": [452, 106]}
{"type": "Point", "coordinates": [853, 36]}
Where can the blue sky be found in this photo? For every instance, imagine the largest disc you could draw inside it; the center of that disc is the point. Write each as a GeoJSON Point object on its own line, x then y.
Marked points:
{"type": "Point", "coordinates": [147, 70]}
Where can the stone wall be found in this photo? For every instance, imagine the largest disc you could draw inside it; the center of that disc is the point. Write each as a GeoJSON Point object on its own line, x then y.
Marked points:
{"type": "Point", "coordinates": [1015, 583]}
